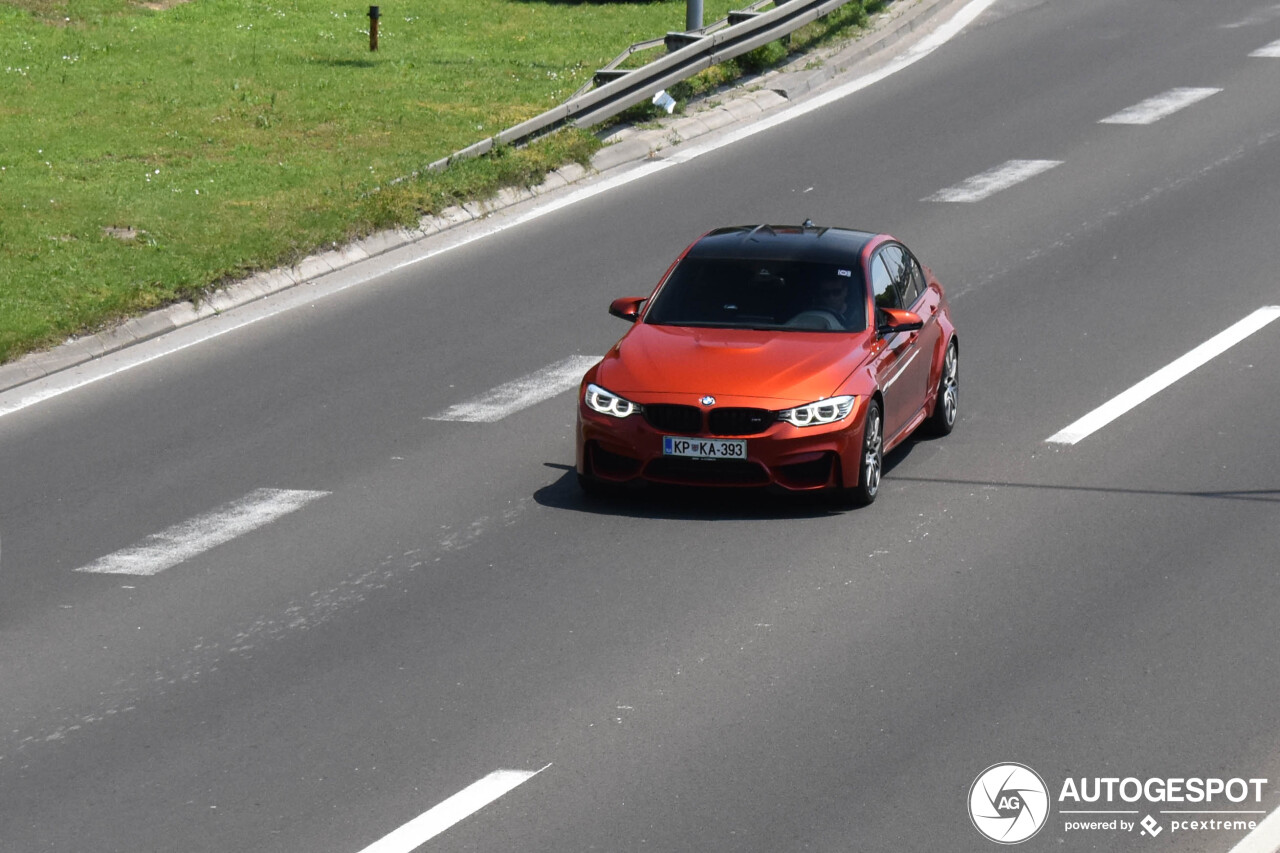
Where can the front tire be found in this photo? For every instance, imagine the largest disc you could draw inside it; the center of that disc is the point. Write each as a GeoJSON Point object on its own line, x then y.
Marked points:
{"type": "Point", "coordinates": [871, 460]}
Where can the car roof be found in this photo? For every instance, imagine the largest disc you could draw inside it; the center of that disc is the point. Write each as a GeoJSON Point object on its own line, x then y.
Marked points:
{"type": "Point", "coordinates": [783, 242]}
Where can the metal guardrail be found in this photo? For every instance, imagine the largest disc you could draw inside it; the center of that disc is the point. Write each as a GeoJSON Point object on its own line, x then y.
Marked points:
{"type": "Point", "coordinates": [611, 71]}
{"type": "Point", "coordinates": [735, 35]}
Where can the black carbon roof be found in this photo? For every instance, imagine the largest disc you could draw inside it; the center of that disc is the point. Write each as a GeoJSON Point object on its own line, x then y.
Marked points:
{"type": "Point", "coordinates": [783, 242]}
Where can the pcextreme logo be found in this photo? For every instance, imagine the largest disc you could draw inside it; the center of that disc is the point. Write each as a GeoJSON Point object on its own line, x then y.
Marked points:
{"type": "Point", "coordinates": [1008, 803]}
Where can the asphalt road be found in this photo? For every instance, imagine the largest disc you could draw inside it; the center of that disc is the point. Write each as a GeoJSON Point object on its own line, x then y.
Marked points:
{"type": "Point", "coordinates": [422, 602]}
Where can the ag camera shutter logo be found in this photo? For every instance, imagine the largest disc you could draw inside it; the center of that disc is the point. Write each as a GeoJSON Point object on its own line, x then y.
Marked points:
{"type": "Point", "coordinates": [1008, 803]}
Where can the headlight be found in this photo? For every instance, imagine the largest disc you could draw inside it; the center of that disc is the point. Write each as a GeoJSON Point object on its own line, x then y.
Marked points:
{"type": "Point", "coordinates": [607, 403]}
{"type": "Point", "coordinates": [822, 412]}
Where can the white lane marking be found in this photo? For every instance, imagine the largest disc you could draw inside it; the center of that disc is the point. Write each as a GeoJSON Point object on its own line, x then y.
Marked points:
{"type": "Point", "coordinates": [911, 56]}
{"type": "Point", "coordinates": [1153, 109]}
{"type": "Point", "coordinates": [520, 393]}
{"type": "Point", "coordinates": [993, 181]}
{"type": "Point", "coordinates": [436, 820]}
{"type": "Point", "coordinates": [1165, 376]}
{"type": "Point", "coordinates": [1265, 838]}
{"type": "Point", "coordinates": [950, 29]}
{"type": "Point", "coordinates": [376, 268]}
{"type": "Point", "coordinates": [1255, 19]}
{"type": "Point", "coordinates": [183, 541]}
{"type": "Point", "coordinates": [57, 384]}
{"type": "Point", "coordinates": [1270, 51]}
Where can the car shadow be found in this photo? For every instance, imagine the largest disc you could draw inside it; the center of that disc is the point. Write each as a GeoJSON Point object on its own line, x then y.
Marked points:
{"type": "Point", "coordinates": [698, 503]}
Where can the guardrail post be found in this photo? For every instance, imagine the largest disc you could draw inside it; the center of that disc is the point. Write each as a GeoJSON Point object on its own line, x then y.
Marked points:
{"type": "Point", "coordinates": [693, 15]}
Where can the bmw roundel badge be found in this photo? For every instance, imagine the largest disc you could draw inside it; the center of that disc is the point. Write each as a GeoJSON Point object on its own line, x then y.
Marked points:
{"type": "Point", "coordinates": [708, 400]}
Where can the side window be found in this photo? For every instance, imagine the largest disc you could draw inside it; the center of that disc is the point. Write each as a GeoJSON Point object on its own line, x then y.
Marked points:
{"type": "Point", "coordinates": [882, 287]}
{"type": "Point", "coordinates": [900, 265]}
{"type": "Point", "coordinates": [895, 259]}
{"type": "Point", "coordinates": [916, 284]}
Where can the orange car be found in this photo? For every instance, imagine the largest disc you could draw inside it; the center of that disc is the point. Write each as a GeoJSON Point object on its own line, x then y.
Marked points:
{"type": "Point", "coordinates": [792, 356]}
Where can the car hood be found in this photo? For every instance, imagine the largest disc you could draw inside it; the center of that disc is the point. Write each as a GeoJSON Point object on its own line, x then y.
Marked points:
{"type": "Point", "coordinates": [789, 367]}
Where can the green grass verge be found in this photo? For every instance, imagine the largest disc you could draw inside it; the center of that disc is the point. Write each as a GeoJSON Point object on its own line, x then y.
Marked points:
{"type": "Point", "coordinates": [148, 154]}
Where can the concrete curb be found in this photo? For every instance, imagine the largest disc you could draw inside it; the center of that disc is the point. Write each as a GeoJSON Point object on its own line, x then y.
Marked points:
{"type": "Point", "coordinates": [747, 100]}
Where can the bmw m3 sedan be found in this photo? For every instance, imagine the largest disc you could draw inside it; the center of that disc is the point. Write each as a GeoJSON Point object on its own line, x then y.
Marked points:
{"type": "Point", "coordinates": [770, 355]}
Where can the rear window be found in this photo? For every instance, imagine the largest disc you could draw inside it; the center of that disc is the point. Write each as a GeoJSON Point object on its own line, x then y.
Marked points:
{"type": "Point", "coordinates": [785, 295]}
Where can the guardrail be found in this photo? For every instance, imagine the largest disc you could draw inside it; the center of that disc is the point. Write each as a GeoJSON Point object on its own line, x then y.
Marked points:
{"type": "Point", "coordinates": [688, 53]}
{"type": "Point", "coordinates": [671, 41]}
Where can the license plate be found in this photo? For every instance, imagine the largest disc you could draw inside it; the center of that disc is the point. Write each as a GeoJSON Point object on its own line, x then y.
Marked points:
{"type": "Point", "coordinates": [704, 448]}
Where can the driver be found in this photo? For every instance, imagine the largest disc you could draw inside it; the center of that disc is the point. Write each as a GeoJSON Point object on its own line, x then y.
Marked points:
{"type": "Point", "coordinates": [833, 296]}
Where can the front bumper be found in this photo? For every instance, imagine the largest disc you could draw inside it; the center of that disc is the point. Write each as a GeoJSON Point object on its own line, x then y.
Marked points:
{"type": "Point", "coordinates": [621, 450]}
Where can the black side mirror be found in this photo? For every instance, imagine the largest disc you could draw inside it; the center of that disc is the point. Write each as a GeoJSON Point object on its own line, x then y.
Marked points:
{"type": "Point", "coordinates": [627, 308]}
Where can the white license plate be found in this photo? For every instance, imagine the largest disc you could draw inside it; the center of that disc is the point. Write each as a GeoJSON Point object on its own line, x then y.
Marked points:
{"type": "Point", "coordinates": [704, 448]}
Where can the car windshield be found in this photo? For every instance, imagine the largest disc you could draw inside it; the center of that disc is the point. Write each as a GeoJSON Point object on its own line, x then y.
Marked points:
{"type": "Point", "coordinates": [785, 295]}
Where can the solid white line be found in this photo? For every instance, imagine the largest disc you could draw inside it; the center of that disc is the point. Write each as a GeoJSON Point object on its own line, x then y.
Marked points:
{"type": "Point", "coordinates": [436, 820]}
{"type": "Point", "coordinates": [114, 363]}
{"type": "Point", "coordinates": [919, 51]}
{"type": "Point", "coordinates": [1271, 51]}
{"type": "Point", "coordinates": [520, 393]}
{"type": "Point", "coordinates": [948, 31]}
{"type": "Point", "coordinates": [994, 180]}
{"type": "Point", "coordinates": [1265, 838]}
{"type": "Point", "coordinates": [1165, 376]}
{"type": "Point", "coordinates": [183, 541]}
{"type": "Point", "coordinates": [57, 384]}
{"type": "Point", "coordinates": [1153, 109]}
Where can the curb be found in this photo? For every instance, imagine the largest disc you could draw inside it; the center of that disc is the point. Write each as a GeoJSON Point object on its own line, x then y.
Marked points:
{"type": "Point", "coordinates": [750, 98]}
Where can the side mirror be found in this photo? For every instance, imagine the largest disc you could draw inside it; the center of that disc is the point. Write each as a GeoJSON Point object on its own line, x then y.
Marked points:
{"type": "Point", "coordinates": [895, 320]}
{"type": "Point", "coordinates": [627, 308]}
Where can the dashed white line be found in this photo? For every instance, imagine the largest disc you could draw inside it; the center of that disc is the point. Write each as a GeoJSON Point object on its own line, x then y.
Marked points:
{"type": "Point", "coordinates": [181, 542]}
{"type": "Point", "coordinates": [1164, 377]}
{"type": "Point", "coordinates": [1253, 20]}
{"type": "Point", "coordinates": [436, 820]}
{"type": "Point", "coordinates": [994, 180]}
{"type": "Point", "coordinates": [1153, 109]}
{"type": "Point", "coordinates": [1270, 51]}
{"type": "Point", "coordinates": [520, 393]}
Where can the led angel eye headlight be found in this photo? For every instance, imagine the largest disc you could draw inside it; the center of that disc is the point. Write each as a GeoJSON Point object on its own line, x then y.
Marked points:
{"type": "Point", "coordinates": [607, 403]}
{"type": "Point", "coordinates": [819, 412]}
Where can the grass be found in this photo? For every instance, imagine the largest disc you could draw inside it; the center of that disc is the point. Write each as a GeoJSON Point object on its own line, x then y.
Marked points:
{"type": "Point", "coordinates": [149, 154]}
